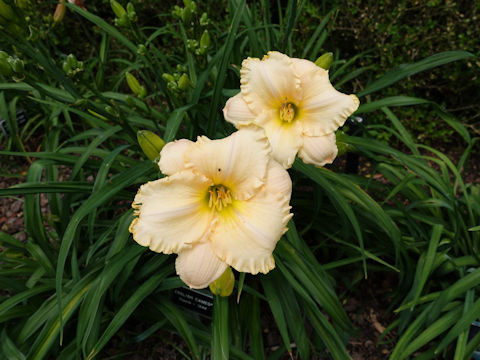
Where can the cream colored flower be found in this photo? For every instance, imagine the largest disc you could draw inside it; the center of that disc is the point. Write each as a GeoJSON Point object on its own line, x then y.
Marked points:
{"type": "Point", "coordinates": [293, 100]}
{"type": "Point", "coordinates": [224, 203]}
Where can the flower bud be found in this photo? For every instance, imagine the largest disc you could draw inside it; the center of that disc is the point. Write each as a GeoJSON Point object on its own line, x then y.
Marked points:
{"type": "Point", "coordinates": [204, 19]}
{"type": "Point", "coordinates": [189, 4]}
{"type": "Point", "coordinates": [59, 12]}
{"type": "Point", "coordinates": [72, 61]}
{"type": "Point", "coordinates": [184, 82]}
{"type": "Point", "coordinates": [205, 40]}
{"type": "Point", "coordinates": [66, 67]}
{"type": "Point", "coordinates": [181, 68]}
{"type": "Point", "coordinates": [5, 68]}
{"type": "Point", "coordinates": [168, 77]}
{"type": "Point", "coordinates": [325, 61]}
{"type": "Point", "coordinates": [186, 15]}
{"type": "Point", "coordinates": [141, 50]}
{"type": "Point", "coordinates": [117, 8]}
{"type": "Point", "coordinates": [134, 84]}
{"type": "Point", "coordinates": [223, 286]}
{"type": "Point", "coordinates": [150, 143]}
{"type": "Point", "coordinates": [177, 12]}
{"type": "Point", "coordinates": [130, 8]}
{"type": "Point", "coordinates": [132, 15]}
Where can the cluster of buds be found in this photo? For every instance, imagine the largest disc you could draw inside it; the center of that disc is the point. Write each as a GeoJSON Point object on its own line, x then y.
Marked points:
{"type": "Point", "coordinates": [124, 18]}
{"type": "Point", "coordinates": [179, 80]}
{"type": "Point", "coordinates": [139, 90]}
{"type": "Point", "coordinates": [11, 66]}
{"type": "Point", "coordinates": [72, 66]}
{"type": "Point", "coordinates": [199, 47]}
{"type": "Point", "coordinates": [185, 13]}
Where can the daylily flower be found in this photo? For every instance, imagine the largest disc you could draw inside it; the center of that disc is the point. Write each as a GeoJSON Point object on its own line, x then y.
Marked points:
{"type": "Point", "coordinates": [293, 100]}
{"type": "Point", "coordinates": [224, 203]}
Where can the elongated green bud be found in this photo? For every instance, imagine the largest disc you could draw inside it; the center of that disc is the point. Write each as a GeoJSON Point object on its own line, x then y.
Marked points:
{"type": "Point", "coordinates": [223, 286]}
{"type": "Point", "coordinates": [130, 8]}
{"type": "Point", "coordinates": [117, 8]}
{"type": "Point", "coordinates": [133, 84]}
{"type": "Point", "coordinates": [325, 61]}
{"type": "Point", "coordinates": [150, 143]}
{"type": "Point", "coordinates": [205, 39]}
{"type": "Point", "coordinates": [132, 15]}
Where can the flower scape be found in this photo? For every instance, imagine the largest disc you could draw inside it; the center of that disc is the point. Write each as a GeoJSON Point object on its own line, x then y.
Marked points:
{"type": "Point", "coordinates": [224, 203]}
{"type": "Point", "coordinates": [294, 101]}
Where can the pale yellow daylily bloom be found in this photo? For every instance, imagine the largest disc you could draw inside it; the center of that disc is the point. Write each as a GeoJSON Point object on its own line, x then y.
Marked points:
{"type": "Point", "coordinates": [294, 101]}
{"type": "Point", "coordinates": [224, 203]}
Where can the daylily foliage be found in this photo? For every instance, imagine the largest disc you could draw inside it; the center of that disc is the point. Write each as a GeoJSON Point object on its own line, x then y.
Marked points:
{"type": "Point", "coordinates": [224, 203]}
{"type": "Point", "coordinates": [293, 100]}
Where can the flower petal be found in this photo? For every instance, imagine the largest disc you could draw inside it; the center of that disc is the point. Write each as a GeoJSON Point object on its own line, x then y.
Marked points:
{"type": "Point", "coordinates": [238, 161]}
{"type": "Point", "coordinates": [278, 179]}
{"type": "Point", "coordinates": [198, 266]}
{"type": "Point", "coordinates": [247, 231]}
{"type": "Point", "coordinates": [318, 150]}
{"type": "Point", "coordinates": [237, 112]}
{"type": "Point", "coordinates": [285, 139]}
{"type": "Point", "coordinates": [323, 109]}
{"type": "Point", "coordinates": [172, 212]}
{"type": "Point", "coordinates": [266, 83]}
{"type": "Point", "coordinates": [172, 156]}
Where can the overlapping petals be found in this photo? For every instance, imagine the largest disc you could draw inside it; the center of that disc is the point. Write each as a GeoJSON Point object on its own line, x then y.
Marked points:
{"type": "Point", "coordinates": [291, 99]}
{"type": "Point", "coordinates": [224, 203]}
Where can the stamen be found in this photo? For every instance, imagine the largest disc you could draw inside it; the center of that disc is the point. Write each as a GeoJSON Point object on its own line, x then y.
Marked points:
{"type": "Point", "coordinates": [219, 197]}
{"type": "Point", "coordinates": [287, 111]}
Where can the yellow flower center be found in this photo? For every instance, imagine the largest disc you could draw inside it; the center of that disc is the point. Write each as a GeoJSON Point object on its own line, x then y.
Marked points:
{"type": "Point", "coordinates": [219, 197]}
{"type": "Point", "coordinates": [287, 111]}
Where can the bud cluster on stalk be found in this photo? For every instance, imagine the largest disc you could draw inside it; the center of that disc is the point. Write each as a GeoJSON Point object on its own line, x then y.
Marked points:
{"type": "Point", "coordinates": [11, 66]}
{"type": "Point", "coordinates": [185, 13]}
{"type": "Point", "coordinates": [72, 66]}
{"type": "Point", "coordinates": [178, 81]}
{"type": "Point", "coordinates": [124, 18]}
